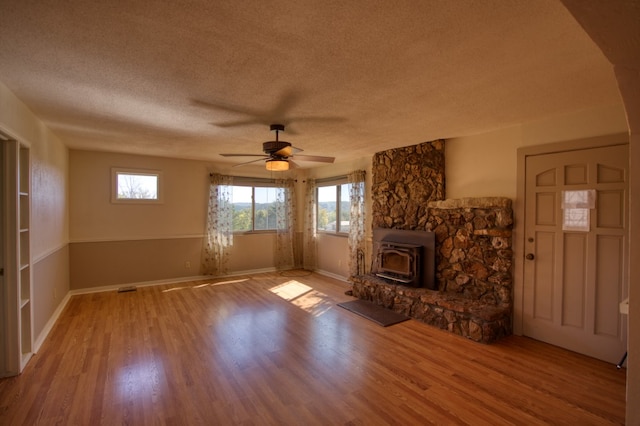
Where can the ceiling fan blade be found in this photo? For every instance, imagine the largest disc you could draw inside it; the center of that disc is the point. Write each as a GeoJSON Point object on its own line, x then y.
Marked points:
{"type": "Point", "coordinates": [236, 123]}
{"type": "Point", "coordinates": [287, 101]}
{"type": "Point", "coordinates": [228, 107]}
{"type": "Point", "coordinates": [288, 151]}
{"type": "Point", "coordinates": [293, 164]}
{"type": "Point", "coordinates": [245, 155]}
{"type": "Point", "coordinates": [316, 158]}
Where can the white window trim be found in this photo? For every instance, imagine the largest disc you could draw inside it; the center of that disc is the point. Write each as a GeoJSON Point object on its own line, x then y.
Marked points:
{"type": "Point", "coordinates": [115, 171]}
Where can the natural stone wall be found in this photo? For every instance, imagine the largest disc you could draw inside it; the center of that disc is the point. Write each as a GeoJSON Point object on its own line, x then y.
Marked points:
{"type": "Point", "coordinates": [404, 180]}
{"type": "Point", "coordinates": [448, 311]}
{"type": "Point", "coordinates": [474, 248]}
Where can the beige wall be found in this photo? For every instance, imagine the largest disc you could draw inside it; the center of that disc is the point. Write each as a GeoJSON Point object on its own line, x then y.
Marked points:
{"type": "Point", "coordinates": [485, 165]}
{"type": "Point", "coordinates": [95, 218]}
{"type": "Point", "coordinates": [116, 244]}
{"type": "Point", "coordinates": [51, 285]}
{"type": "Point", "coordinates": [333, 255]}
{"type": "Point", "coordinates": [49, 229]}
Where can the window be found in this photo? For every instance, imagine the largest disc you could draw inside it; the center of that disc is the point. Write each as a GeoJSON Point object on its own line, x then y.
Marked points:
{"type": "Point", "coordinates": [136, 186]}
{"type": "Point", "coordinates": [576, 207]}
{"type": "Point", "coordinates": [254, 208]}
{"type": "Point", "coordinates": [334, 208]}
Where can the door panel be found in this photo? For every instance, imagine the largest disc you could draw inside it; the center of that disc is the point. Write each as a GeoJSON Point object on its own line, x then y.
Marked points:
{"type": "Point", "coordinates": [3, 301]}
{"type": "Point", "coordinates": [575, 280]}
{"type": "Point", "coordinates": [573, 289]}
{"type": "Point", "coordinates": [544, 267]}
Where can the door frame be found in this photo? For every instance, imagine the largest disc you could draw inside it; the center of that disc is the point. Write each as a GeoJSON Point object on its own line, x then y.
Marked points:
{"type": "Point", "coordinates": [520, 208]}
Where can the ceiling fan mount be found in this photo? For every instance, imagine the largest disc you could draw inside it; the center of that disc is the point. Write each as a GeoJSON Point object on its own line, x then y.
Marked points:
{"type": "Point", "coordinates": [279, 153]}
{"type": "Point", "coordinates": [277, 147]}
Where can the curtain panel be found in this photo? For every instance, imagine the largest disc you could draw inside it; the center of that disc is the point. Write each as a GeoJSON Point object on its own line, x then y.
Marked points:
{"type": "Point", "coordinates": [285, 223]}
{"type": "Point", "coordinates": [356, 222]}
{"type": "Point", "coordinates": [218, 238]}
{"type": "Point", "coordinates": [309, 236]}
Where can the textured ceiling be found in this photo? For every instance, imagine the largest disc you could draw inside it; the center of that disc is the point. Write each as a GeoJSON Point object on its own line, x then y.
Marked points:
{"type": "Point", "coordinates": [348, 78]}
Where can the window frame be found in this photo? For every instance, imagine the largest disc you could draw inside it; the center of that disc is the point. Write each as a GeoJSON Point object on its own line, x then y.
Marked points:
{"type": "Point", "coordinates": [253, 184]}
{"type": "Point", "coordinates": [336, 182]}
{"type": "Point", "coordinates": [158, 174]}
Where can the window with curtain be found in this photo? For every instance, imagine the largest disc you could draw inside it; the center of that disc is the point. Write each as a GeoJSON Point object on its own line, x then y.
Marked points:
{"type": "Point", "coordinates": [339, 210]}
{"type": "Point", "coordinates": [218, 238]}
{"type": "Point", "coordinates": [246, 205]}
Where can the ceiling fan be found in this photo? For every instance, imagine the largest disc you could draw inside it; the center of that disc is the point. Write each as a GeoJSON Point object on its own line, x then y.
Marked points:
{"type": "Point", "coordinates": [278, 154]}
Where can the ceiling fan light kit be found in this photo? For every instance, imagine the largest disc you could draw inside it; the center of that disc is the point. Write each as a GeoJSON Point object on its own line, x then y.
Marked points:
{"type": "Point", "coordinates": [277, 165]}
{"type": "Point", "coordinates": [278, 153]}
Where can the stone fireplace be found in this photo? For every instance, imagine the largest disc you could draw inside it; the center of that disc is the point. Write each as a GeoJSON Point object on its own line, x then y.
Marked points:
{"type": "Point", "coordinates": [471, 291]}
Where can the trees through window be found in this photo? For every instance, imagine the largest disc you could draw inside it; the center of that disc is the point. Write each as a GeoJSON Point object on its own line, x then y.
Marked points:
{"type": "Point", "coordinates": [333, 208]}
{"type": "Point", "coordinates": [254, 208]}
{"type": "Point", "coordinates": [136, 186]}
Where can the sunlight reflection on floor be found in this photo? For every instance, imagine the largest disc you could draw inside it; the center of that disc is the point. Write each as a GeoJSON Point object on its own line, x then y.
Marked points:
{"type": "Point", "coordinates": [304, 297]}
{"type": "Point", "coordinates": [206, 285]}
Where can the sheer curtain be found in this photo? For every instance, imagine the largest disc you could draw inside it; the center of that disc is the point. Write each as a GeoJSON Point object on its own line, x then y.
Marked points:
{"type": "Point", "coordinates": [356, 222]}
{"type": "Point", "coordinates": [310, 233]}
{"type": "Point", "coordinates": [285, 223]}
{"type": "Point", "coordinates": [218, 238]}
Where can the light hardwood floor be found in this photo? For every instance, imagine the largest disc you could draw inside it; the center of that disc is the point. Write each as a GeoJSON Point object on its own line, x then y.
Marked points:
{"type": "Point", "coordinates": [273, 349]}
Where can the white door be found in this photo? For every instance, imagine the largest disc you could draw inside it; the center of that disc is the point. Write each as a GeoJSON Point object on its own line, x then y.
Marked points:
{"type": "Point", "coordinates": [3, 323]}
{"type": "Point", "coordinates": [576, 251]}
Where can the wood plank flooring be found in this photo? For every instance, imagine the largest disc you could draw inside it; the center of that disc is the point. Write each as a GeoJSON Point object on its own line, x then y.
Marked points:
{"type": "Point", "coordinates": [276, 350]}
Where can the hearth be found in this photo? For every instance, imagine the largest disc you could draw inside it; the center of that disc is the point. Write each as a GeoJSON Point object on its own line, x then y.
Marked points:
{"type": "Point", "coordinates": [404, 257]}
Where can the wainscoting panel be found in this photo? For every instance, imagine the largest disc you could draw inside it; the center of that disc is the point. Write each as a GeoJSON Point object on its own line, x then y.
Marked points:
{"type": "Point", "coordinates": [50, 287]}
{"type": "Point", "coordinates": [104, 263]}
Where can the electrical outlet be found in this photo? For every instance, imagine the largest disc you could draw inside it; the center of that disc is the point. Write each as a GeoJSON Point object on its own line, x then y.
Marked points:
{"type": "Point", "coordinates": [187, 264]}
{"type": "Point", "coordinates": [339, 263]}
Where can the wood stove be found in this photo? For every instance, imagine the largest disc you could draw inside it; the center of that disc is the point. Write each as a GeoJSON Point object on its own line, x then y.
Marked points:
{"type": "Point", "coordinates": [405, 257]}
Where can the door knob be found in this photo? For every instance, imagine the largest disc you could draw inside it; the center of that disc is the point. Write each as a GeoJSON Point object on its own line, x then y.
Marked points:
{"type": "Point", "coordinates": [529, 256]}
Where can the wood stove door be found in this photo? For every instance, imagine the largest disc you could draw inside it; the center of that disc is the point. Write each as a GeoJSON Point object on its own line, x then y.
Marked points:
{"type": "Point", "coordinates": [575, 278]}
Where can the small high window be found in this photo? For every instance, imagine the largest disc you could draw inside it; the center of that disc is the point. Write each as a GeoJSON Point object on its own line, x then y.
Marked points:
{"type": "Point", "coordinates": [136, 186]}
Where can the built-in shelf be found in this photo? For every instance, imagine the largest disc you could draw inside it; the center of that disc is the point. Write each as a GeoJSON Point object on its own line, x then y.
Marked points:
{"type": "Point", "coordinates": [24, 240]}
{"type": "Point", "coordinates": [23, 219]}
{"type": "Point", "coordinates": [18, 274]}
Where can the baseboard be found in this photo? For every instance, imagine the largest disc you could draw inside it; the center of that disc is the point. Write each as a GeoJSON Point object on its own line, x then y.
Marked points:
{"type": "Point", "coordinates": [49, 325]}
{"type": "Point", "coordinates": [332, 275]}
{"type": "Point", "coordinates": [115, 287]}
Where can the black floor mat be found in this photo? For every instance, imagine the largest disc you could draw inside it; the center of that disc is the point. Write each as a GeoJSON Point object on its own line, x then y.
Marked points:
{"type": "Point", "coordinates": [371, 311]}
